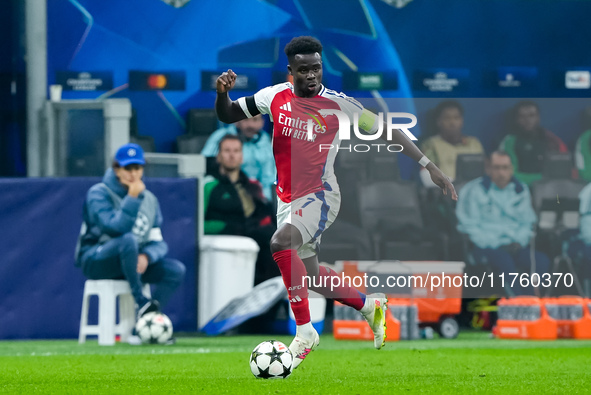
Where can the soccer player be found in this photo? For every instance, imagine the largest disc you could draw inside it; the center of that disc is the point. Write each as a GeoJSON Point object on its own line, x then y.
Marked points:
{"type": "Point", "coordinates": [308, 195]}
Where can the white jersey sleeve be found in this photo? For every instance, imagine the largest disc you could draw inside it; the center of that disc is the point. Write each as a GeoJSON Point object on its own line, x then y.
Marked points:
{"type": "Point", "coordinates": [366, 120]}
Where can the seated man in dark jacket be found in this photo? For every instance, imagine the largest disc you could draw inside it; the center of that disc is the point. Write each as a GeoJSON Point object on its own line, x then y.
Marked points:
{"type": "Point", "coordinates": [528, 142]}
{"type": "Point", "coordinates": [121, 237]}
{"type": "Point", "coordinates": [235, 205]}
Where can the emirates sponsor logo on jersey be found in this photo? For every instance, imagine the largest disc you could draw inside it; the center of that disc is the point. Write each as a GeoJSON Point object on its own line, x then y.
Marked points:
{"type": "Point", "coordinates": [297, 128]}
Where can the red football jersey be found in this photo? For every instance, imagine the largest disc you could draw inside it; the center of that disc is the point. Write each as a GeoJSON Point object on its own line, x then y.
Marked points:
{"type": "Point", "coordinates": [303, 165]}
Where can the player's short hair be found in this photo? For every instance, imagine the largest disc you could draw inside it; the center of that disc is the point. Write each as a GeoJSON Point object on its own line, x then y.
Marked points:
{"type": "Point", "coordinates": [303, 45]}
{"type": "Point", "coordinates": [228, 137]}
{"type": "Point", "coordinates": [444, 105]}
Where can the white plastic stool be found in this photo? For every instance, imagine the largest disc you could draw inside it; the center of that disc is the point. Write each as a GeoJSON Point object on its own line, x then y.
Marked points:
{"type": "Point", "coordinates": [107, 292]}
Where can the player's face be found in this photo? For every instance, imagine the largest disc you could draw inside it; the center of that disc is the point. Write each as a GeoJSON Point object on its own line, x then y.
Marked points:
{"type": "Point", "coordinates": [249, 127]}
{"type": "Point", "coordinates": [306, 70]}
{"type": "Point", "coordinates": [500, 170]}
{"type": "Point", "coordinates": [450, 123]}
{"type": "Point", "coordinates": [528, 118]}
{"type": "Point", "coordinates": [130, 173]}
{"type": "Point", "coordinates": [230, 155]}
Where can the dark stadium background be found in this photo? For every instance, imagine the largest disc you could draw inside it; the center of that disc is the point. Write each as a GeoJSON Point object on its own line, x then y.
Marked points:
{"type": "Point", "coordinates": [547, 36]}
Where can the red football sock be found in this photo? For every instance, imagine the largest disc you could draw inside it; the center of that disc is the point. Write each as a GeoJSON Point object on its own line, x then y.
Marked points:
{"type": "Point", "coordinates": [336, 290]}
{"type": "Point", "coordinates": [293, 270]}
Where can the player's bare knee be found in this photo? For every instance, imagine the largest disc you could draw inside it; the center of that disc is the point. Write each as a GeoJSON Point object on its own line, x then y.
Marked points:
{"type": "Point", "coordinates": [280, 242]}
{"type": "Point", "coordinates": [286, 238]}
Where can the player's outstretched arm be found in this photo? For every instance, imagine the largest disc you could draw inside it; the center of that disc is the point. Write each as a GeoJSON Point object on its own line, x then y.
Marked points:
{"type": "Point", "coordinates": [441, 180]}
{"type": "Point", "coordinates": [412, 151]}
{"type": "Point", "coordinates": [228, 111]}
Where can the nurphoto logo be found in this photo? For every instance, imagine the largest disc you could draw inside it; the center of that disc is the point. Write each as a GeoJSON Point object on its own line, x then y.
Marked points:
{"type": "Point", "coordinates": [344, 131]}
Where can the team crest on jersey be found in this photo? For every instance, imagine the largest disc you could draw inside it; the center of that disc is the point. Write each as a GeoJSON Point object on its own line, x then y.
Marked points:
{"type": "Point", "coordinates": [299, 212]}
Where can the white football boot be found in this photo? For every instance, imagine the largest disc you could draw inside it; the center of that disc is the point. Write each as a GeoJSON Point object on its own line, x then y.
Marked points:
{"type": "Point", "coordinates": [304, 342]}
{"type": "Point", "coordinates": [374, 312]}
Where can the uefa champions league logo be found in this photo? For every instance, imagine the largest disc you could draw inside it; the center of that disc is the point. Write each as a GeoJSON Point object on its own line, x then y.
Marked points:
{"type": "Point", "coordinates": [141, 226]}
{"type": "Point", "coordinates": [131, 152]}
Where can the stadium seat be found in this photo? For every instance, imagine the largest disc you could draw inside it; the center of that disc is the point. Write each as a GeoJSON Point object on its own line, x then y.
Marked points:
{"type": "Point", "coordinates": [351, 170]}
{"type": "Point", "coordinates": [345, 241]}
{"type": "Point", "coordinates": [212, 167]}
{"type": "Point", "coordinates": [133, 126]}
{"type": "Point", "coordinates": [201, 121]}
{"type": "Point", "coordinates": [383, 167]}
{"type": "Point", "coordinates": [439, 210]}
{"type": "Point", "coordinates": [556, 202]}
{"type": "Point", "coordinates": [390, 212]}
{"type": "Point", "coordinates": [557, 165]}
{"type": "Point", "coordinates": [107, 327]}
{"type": "Point", "coordinates": [146, 142]}
{"type": "Point", "coordinates": [555, 190]}
{"type": "Point", "coordinates": [469, 167]}
{"type": "Point", "coordinates": [190, 144]}
{"type": "Point", "coordinates": [571, 260]}
{"type": "Point", "coordinates": [458, 185]}
{"type": "Point", "coordinates": [354, 161]}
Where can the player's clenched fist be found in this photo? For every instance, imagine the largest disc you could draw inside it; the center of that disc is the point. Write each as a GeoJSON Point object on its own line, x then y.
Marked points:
{"type": "Point", "coordinates": [226, 81]}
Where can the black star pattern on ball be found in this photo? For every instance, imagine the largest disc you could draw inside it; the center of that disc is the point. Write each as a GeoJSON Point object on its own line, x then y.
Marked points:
{"type": "Point", "coordinates": [254, 355]}
{"type": "Point", "coordinates": [148, 325]}
{"type": "Point", "coordinates": [264, 374]}
{"type": "Point", "coordinates": [286, 371]}
{"type": "Point", "coordinates": [274, 357]}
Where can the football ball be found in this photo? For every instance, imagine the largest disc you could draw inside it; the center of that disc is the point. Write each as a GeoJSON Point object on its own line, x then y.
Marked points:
{"type": "Point", "coordinates": [271, 360]}
{"type": "Point", "coordinates": [154, 328]}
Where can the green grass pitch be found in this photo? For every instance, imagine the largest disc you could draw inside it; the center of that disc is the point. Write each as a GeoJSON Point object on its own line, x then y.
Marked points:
{"type": "Point", "coordinates": [471, 363]}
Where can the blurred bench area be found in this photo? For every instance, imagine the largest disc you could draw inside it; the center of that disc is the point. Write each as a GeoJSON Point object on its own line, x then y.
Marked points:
{"type": "Point", "coordinates": [382, 216]}
{"type": "Point", "coordinates": [40, 289]}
